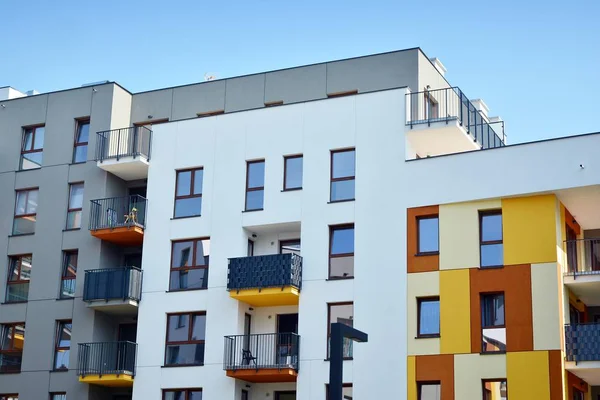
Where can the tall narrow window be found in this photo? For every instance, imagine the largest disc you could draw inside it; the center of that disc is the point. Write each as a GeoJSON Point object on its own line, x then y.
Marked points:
{"type": "Point", "coordinates": [250, 248]}
{"type": "Point", "coordinates": [12, 339]}
{"type": "Point", "coordinates": [25, 211]}
{"type": "Point", "coordinates": [189, 264]}
{"type": "Point", "coordinates": [82, 134]}
{"type": "Point", "coordinates": [429, 391]}
{"type": "Point", "coordinates": [428, 314]}
{"type": "Point", "coordinates": [255, 185]}
{"type": "Point", "coordinates": [343, 313]}
{"type": "Point", "coordinates": [490, 237]}
{"type": "Point", "coordinates": [62, 345]}
{"type": "Point", "coordinates": [342, 175]}
{"type": "Point", "coordinates": [19, 275]}
{"type": "Point", "coordinates": [32, 151]}
{"type": "Point", "coordinates": [493, 329]}
{"type": "Point", "coordinates": [341, 251]}
{"type": "Point", "coordinates": [69, 274]}
{"type": "Point", "coordinates": [292, 172]}
{"type": "Point", "coordinates": [188, 193]}
{"type": "Point", "coordinates": [185, 339]}
{"type": "Point", "coordinates": [428, 235]}
{"type": "Point", "coordinates": [245, 395]}
{"type": "Point", "coordinates": [495, 389]}
{"type": "Point", "coordinates": [75, 205]}
{"type": "Point", "coordinates": [56, 396]}
{"type": "Point", "coordinates": [182, 394]}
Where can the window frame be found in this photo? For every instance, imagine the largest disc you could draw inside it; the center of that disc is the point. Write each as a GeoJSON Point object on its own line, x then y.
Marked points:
{"type": "Point", "coordinates": [76, 209]}
{"type": "Point", "coordinates": [420, 385]}
{"type": "Point", "coordinates": [12, 259]}
{"type": "Point", "coordinates": [191, 194]}
{"type": "Point", "coordinates": [27, 191]}
{"type": "Point", "coordinates": [57, 347]}
{"type": "Point", "coordinates": [254, 189]}
{"type": "Point", "coordinates": [283, 243]}
{"type": "Point", "coordinates": [333, 228]}
{"type": "Point", "coordinates": [34, 129]}
{"type": "Point", "coordinates": [482, 296]}
{"type": "Point", "coordinates": [421, 300]}
{"type": "Point", "coordinates": [499, 380]}
{"type": "Point", "coordinates": [190, 315]}
{"type": "Point", "coordinates": [12, 325]}
{"type": "Point", "coordinates": [427, 253]}
{"type": "Point", "coordinates": [195, 242]}
{"type": "Point", "coordinates": [482, 243]}
{"type": "Point", "coordinates": [345, 178]}
{"type": "Point", "coordinates": [65, 275]}
{"type": "Point", "coordinates": [78, 123]}
{"type": "Point", "coordinates": [285, 160]}
{"type": "Point", "coordinates": [329, 305]}
{"type": "Point", "coordinates": [186, 392]}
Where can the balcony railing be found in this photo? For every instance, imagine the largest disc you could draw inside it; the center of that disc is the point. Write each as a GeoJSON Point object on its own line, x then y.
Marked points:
{"type": "Point", "coordinates": [256, 272]}
{"type": "Point", "coordinates": [262, 351]}
{"type": "Point", "coordinates": [113, 284]}
{"type": "Point", "coordinates": [106, 358]}
{"type": "Point", "coordinates": [583, 256]}
{"type": "Point", "coordinates": [117, 212]}
{"type": "Point", "coordinates": [582, 342]}
{"type": "Point", "coordinates": [450, 104]}
{"type": "Point", "coordinates": [125, 142]}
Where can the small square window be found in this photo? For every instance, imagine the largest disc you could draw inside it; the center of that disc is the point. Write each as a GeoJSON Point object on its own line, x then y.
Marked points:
{"type": "Point", "coordinates": [496, 389]}
{"type": "Point", "coordinates": [292, 176]}
{"type": "Point", "coordinates": [429, 391]}
{"type": "Point", "coordinates": [428, 235]}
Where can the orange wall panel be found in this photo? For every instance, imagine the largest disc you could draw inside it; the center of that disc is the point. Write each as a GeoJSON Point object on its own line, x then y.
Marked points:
{"type": "Point", "coordinates": [437, 368]}
{"type": "Point", "coordinates": [415, 263]}
{"type": "Point", "coordinates": [556, 374]}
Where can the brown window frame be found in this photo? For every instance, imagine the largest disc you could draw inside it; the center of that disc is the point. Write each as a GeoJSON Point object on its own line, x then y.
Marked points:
{"type": "Point", "coordinates": [499, 380]}
{"type": "Point", "coordinates": [78, 123]}
{"type": "Point", "coordinates": [185, 391]}
{"type": "Point", "coordinates": [57, 348]}
{"type": "Point", "coordinates": [25, 215]}
{"type": "Point", "coordinates": [76, 209]}
{"type": "Point", "coordinates": [34, 129]}
{"type": "Point", "coordinates": [420, 385]}
{"type": "Point", "coordinates": [14, 259]}
{"type": "Point", "coordinates": [191, 194]}
{"type": "Point", "coordinates": [191, 315]}
{"type": "Point", "coordinates": [421, 300]}
{"type": "Point", "coordinates": [503, 326]}
{"type": "Point", "coordinates": [344, 178]}
{"type": "Point", "coordinates": [10, 350]}
{"type": "Point", "coordinates": [283, 243]}
{"type": "Point", "coordinates": [285, 160]}
{"type": "Point", "coordinates": [195, 242]}
{"type": "Point", "coordinates": [65, 274]}
{"type": "Point", "coordinates": [419, 219]}
{"type": "Point", "coordinates": [333, 228]}
{"type": "Point", "coordinates": [482, 243]}
{"type": "Point", "coordinates": [329, 305]}
{"type": "Point", "coordinates": [254, 189]}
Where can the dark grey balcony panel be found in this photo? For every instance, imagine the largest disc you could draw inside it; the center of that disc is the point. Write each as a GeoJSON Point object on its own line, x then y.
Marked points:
{"type": "Point", "coordinates": [274, 270]}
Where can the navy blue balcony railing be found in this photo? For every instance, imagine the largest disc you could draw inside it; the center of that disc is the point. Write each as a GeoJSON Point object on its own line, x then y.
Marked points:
{"type": "Point", "coordinates": [106, 358]}
{"type": "Point", "coordinates": [262, 351]}
{"type": "Point", "coordinates": [125, 142]}
{"type": "Point", "coordinates": [582, 342]}
{"type": "Point", "coordinates": [451, 104]}
{"type": "Point", "coordinates": [583, 256]}
{"type": "Point", "coordinates": [113, 284]}
{"type": "Point", "coordinates": [117, 212]}
{"type": "Point", "coordinates": [274, 270]}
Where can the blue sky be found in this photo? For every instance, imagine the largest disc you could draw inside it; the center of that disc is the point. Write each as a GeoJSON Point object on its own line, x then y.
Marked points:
{"type": "Point", "coordinates": [535, 63]}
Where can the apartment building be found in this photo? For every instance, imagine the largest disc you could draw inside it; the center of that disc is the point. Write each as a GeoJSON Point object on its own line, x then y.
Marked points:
{"type": "Point", "coordinates": [197, 241]}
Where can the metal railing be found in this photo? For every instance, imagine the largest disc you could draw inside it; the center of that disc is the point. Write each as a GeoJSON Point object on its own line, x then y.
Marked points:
{"type": "Point", "coordinates": [125, 142]}
{"type": "Point", "coordinates": [582, 256]}
{"type": "Point", "coordinates": [451, 104]}
{"type": "Point", "coordinates": [106, 358]}
{"type": "Point", "coordinates": [274, 270]}
{"type": "Point", "coordinates": [262, 351]}
{"type": "Point", "coordinates": [116, 212]}
{"type": "Point", "coordinates": [113, 284]}
{"type": "Point", "coordinates": [582, 342]}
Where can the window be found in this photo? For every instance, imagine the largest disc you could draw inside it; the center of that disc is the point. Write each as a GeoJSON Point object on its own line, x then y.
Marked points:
{"type": "Point", "coordinates": [185, 339]}
{"type": "Point", "coordinates": [25, 211]}
{"type": "Point", "coordinates": [250, 248]}
{"type": "Point", "coordinates": [292, 172]}
{"type": "Point", "coordinates": [429, 391]}
{"type": "Point", "coordinates": [19, 275]}
{"type": "Point", "coordinates": [9, 397]}
{"type": "Point", "coordinates": [342, 175]}
{"type": "Point", "coordinates": [428, 311]}
{"type": "Point", "coordinates": [182, 394]}
{"type": "Point", "coordinates": [428, 235]}
{"type": "Point", "coordinates": [32, 150]}
{"type": "Point", "coordinates": [63, 345]}
{"type": "Point", "coordinates": [188, 193]}
{"type": "Point", "coordinates": [12, 339]}
{"type": "Point", "coordinates": [75, 205]}
{"type": "Point", "coordinates": [495, 389]}
{"type": "Point", "coordinates": [245, 395]}
{"type": "Point", "coordinates": [341, 251]}
{"type": "Point", "coordinates": [82, 134]}
{"type": "Point", "coordinates": [255, 185]}
{"type": "Point", "coordinates": [344, 313]}
{"type": "Point", "coordinates": [490, 237]}
{"type": "Point", "coordinates": [346, 391]}
{"type": "Point", "coordinates": [69, 274]}
{"type": "Point", "coordinates": [189, 264]}
{"type": "Point", "coordinates": [577, 394]}
{"type": "Point", "coordinates": [287, 395]}
{"type": "Point", "coordinates": [289, 246]}
{"type": "Point", "coordinates": [493, 333]}
{"type": "Point", "coordinates": [57, 396]}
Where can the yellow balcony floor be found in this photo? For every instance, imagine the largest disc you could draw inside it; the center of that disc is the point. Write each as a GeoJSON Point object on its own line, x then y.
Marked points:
{"type": "Point", "coordinates": [110, 380]}
{"type": "Point", "coordinates": [267, 297]}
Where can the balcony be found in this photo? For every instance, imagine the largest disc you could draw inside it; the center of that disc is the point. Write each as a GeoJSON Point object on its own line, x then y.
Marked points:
{"type": "Point", "coordinates": [445, 121]}
{"type": "Point", "coordinates": [270, 280]}
{"type": "Point", "coordinates": [582, 274]}
{"type": "Point", "coordinates": [107, 363]}
{"type": "Point", "coordinates": [262, 358]}
{"type": "Point", "coordinates": [582, 351]}
{"type": "Point", "coordinates": [119, 220]}
{"type": "Point", "coordinates": [124, 152]}
{"type": "Point", "coordinates": [113, 290]}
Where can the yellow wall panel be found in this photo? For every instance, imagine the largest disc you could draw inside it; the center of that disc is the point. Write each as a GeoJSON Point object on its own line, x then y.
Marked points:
{"type": "Point", "coordinates": [459, 233]}
{"type": "Point", "coordinates": [470, 369]}
{"type": "Point", "coordinates": [546, 306]}
{"type": "Point", "coordinates": [423, 284]}
{"type": "Point", "coordinates": [455, 312]}
{"type": "Point", "coordinates": [529, 229]}
{"type": "Point", "coordinates": [528, 376]}
{"type": "Point", "coordinates": [412, 379]}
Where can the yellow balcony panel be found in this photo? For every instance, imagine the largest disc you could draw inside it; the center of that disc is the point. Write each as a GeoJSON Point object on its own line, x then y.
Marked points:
{"type": "Point", "coordinates": [270, 375]}
{"type": "Point", "coordinates": [110, 380]}
{"type": "Point", "coordinates": [286, 296]}
{"type": "Point", "coordinates": [123, 236]}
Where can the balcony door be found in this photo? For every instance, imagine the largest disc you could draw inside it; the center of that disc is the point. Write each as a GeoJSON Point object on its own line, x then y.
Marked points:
{"type": "Point", "coordinates": [247, 330]}
{"type": "Point", "coordinates": [287, 346]}
{"type": "Point", "coordinates": [571, 249]}
{"type": "Point", "coordinates": [127, 332]}
{"type": "Point", "coordinates": [288, 395]}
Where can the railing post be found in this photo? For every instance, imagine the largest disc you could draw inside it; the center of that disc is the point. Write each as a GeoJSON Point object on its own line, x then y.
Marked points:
{"type": "Point", "coordinates": [447, 115]}
{"type": "Point", "coordinates": [135, 142]}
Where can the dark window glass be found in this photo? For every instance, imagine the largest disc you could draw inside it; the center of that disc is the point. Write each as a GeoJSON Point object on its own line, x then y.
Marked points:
{"type": "Point", "coordinates": [69, 274]}
{"type": "Point", "coordinates": [343, 313]}
{"type": "Point", "coordinates": [32, 150]}
{"type": "Point", "coordinates": [429, 316]}
{"type": "Point", "coordinates": [25, 211]}
{"type": "Point", "coordinates": [55, 396]}
{"type": "Point", "coordinates": [342, 175]}
{"type": "Point", "coordinates": [292, 173]}
{"type": "Point", "coordinates": [182, 394]}
{"type": "Point", "coordinates": [185, 339]}
{"type": "Point", "coordinates": [495, 389]}
{"type": "Point", "coordinates": [63, 345]}
{"type": "Point", "coordinates": [492, 323]}
{"type": "Point", "coordinates": [341, 254]}
{"type": "Point", "coordinates": [188, 193]}
{"type": "Point", "coordinates": [12, 341]}
{"type": "Point", "coordinates": [81, 141]}
{"type": "Point", "coordinates": [75, 205]}
{"type": "Point", "coordinates": [189, 264]}
{"type": "Point", "coordinates": [289, 246]}
{"type": "Point", "coordinates": [255, 185]}
{"type": "Point", "coordinates": [490, 232]}
{"type": "Point", "coordinates": [346, 391]}
{"type": "Point", "coordinates": [428, 234]}
{"type": "Point", "coordinates": [19, 275]}
{"type": "Point", "coordinates": [429, 391]}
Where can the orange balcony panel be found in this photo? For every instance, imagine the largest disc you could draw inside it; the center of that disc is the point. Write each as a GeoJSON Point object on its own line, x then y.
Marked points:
{"type": "Point", "coordinates": [269, 375]}
{"type": "Point", "coordinates": [123, 236]}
